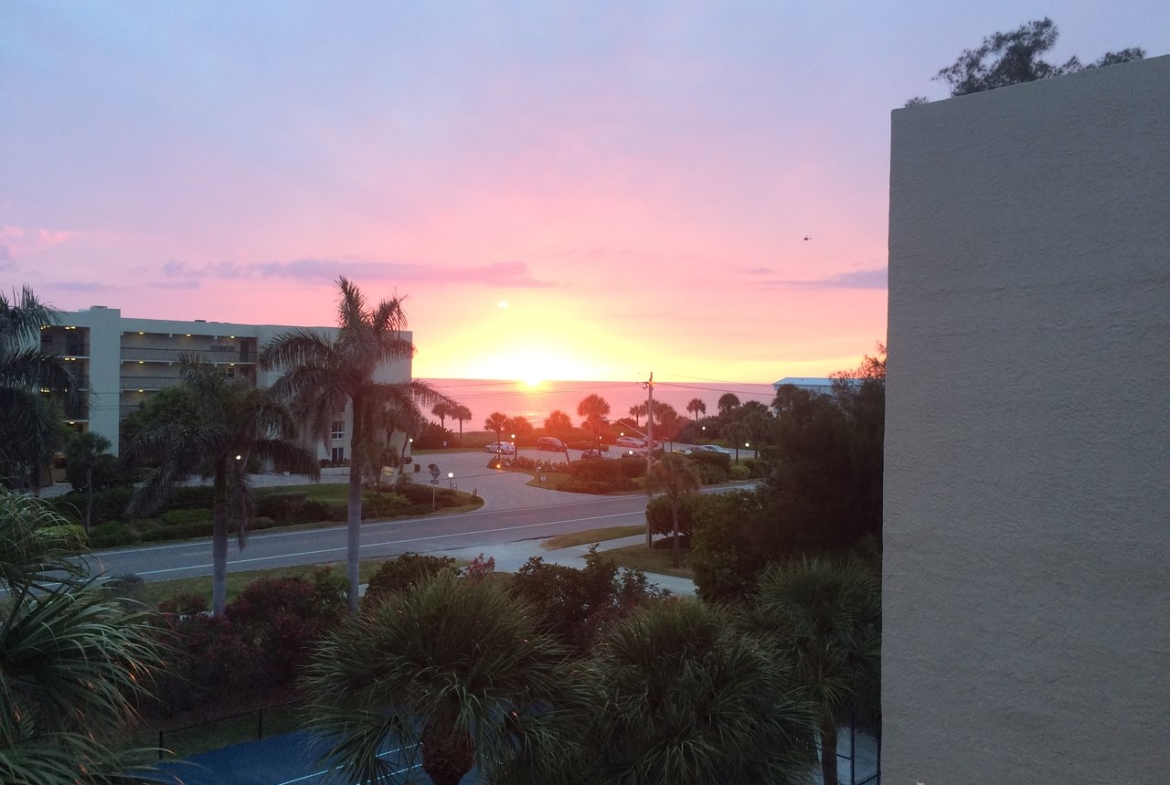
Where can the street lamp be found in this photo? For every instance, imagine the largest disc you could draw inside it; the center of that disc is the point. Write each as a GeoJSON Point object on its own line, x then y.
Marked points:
{"type": "Point", "coordinates": [451, 480]}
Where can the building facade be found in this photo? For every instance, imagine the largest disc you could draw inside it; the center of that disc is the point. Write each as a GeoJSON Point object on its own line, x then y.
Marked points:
{"type": "Point", "coordinates": [1026, 587]}
{"type": "Point", "coordinates": [120, 362]}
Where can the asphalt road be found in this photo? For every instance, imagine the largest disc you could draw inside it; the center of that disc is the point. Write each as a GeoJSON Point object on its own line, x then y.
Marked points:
{"type": "Point", "coordinates": [485, 527]}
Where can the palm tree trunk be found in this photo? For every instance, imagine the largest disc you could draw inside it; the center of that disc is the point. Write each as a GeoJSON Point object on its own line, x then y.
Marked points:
{"type": "Point", "coordinates": [353, 525]}
{"type": "Point", "coordinates": [674, 534]}
{"type": "Point", "coordinates": [447, 754]}
{"type": "Point", "coordinates": [219, 539]}
{"type": "Point", "coordinates": [829, 750]}
{"type": "Point", "coordinates": [88, 498]}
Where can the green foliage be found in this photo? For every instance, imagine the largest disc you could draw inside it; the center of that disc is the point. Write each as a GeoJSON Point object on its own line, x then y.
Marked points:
{"type": "Point", "coordinates": [731, 545]}
{"type": "Point", "coordinates": [683, 697]}
{"type": "Point", "coordinates": [739, 472]}
{"type": "Point", "coordinates": [386, 505]}
{"type": "Point", "coordinates": [185, 517]}
{"type": "Point", "coordinates": [595, 475]}
{"type": "Point", "coordinates": [577, 603]}
{"type": "Point", "coordinates": [260, 641]}
{"type": "Point", "coordinates": [825, 619]}
{"type": "Point", "coordinates": [73, 664]}
{"type": "Point", "coordinates": [282, 506]}
{"type": "Point", "coordinates": [403, 573]}
{"type": "Point", "coordinates": [111, 534]}
{"type": "Point", "coordinates": [459, 670]}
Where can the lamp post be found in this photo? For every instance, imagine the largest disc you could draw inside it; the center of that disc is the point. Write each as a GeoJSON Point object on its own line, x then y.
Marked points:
{"type": "Point", "coordinates": [451, 480]}
{"type": "Point", "coordinates": [434, 468]}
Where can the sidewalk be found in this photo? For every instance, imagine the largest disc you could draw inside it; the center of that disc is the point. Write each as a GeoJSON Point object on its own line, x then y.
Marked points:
{"type": "Point", "coordinates": [511, 557]}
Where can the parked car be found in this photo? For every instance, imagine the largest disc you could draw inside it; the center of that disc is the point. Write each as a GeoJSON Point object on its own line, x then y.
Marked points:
{"type": "Point", "coordinates": [550, 443]}
{"type": "Point", "coordinates": [708, 448]}
{"type": "Point", "coordinates": [591, 454]}
{"type": "Point", "coordinates": [629, 441]}
{"type": "Point", "coordinates": [503, 448]}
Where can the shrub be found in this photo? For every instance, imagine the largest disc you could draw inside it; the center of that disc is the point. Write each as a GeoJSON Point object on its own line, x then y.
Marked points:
{"type": "Point", "coordinates": [189, 496]}
{"type": "Point", "coordinates": [385, 505]}
{"type": "Point", "coordinates": [185, 517]}
{"type": "Point", "coordinates": [719, 459]}
{"type": "Point", "coordinates": [111, 534]}
{"type": "Point", "coordinates": [126, 586]}
{"type": "Point", "coordinates": [315, 511]}
{"type": "Point", "coordinates": [158, 531]}
{"type": "Point", "coordinates": [284, 507]}
{"type": "Point", "coordinates": [260, 523]}
{"type": "Point", "coordinates": [738, 472]}
{"type": "Point", "coordinates": [185, 604]}
{"type": "Point", "coordinates": [402, 573]}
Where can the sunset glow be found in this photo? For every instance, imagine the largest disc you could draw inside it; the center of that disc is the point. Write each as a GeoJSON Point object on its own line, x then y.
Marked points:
{"type": "Point", "coordinates": [559, 191]}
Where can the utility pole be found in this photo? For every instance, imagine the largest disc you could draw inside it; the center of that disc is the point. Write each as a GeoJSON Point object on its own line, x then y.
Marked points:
{"type": "Point", "coordinates": [649, 450]}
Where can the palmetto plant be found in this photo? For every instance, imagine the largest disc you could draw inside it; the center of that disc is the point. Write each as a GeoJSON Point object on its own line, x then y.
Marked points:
{"type": "Point", "coordinates": [322, 375]}
{"type": "Point", "coordinates": [28, 433]}
{"type": "Point", "coordinates": [226, 425]}
{"type": "Point", "coordinates": [825, 619]}
{"type": "Point", "coordinates": [458, 671]}
{"type": "Point", "coordinates": [72, 662]}
{"type": "Point", "coordinates": [685, 699]}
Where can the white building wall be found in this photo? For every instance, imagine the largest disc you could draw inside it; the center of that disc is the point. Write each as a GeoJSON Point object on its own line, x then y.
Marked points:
{"type": "Point", "coordinates": [123, 349]}
{"type": "Point", "coordinates": [1026, 582]}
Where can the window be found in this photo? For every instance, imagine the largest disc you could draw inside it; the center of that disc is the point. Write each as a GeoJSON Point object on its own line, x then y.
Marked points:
{"type": "Point", "coordinates": [337, 429]}
{"type": "Point", "coordinates": [338, 455]}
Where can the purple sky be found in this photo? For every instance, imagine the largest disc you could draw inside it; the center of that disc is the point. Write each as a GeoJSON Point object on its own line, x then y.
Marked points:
{"type": "Point", "coordinates": [633, 180]}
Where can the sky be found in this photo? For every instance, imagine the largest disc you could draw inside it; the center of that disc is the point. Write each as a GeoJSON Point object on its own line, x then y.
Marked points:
{"type": "Point", "coordinates": [560, 190]}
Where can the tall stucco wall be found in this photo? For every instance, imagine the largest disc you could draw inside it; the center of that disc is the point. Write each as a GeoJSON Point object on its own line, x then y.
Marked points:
{"type": "Point", "coordinates": [1027, 521]}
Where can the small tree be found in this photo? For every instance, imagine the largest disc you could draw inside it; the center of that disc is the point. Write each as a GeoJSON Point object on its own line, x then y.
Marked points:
{"type": "Point", "coordinates": [443, 410]}
{"type": "Point", "coordinates": [86, 451]}
{"type": "Point", "coordinates": [675, 476]}
{"type": "Point", "coordinates": [558, 424]}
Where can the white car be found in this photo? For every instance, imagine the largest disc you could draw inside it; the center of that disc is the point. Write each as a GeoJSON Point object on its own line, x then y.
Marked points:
{"type": "Point", "coordinates": [629, 441]}
{"type": "Point", "coordinates": [709, 448]}
{"type": "Point", "coordinates": [503, 448]}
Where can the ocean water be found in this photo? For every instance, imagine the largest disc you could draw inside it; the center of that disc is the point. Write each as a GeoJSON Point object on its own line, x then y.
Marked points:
{"type": "Point", "coordinates": [517, 399]}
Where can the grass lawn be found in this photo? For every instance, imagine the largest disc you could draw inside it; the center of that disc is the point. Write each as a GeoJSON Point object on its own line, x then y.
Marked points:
{"type": "Point", "coordinates": [590, 536]}
{"type": "Point", "coordinates": [657, 560]}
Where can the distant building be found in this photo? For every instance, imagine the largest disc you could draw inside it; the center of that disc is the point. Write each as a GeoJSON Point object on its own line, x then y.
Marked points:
{"type": "Point", "coordinates": [810, 383]}
{"type": "Point", "coordinates": [120, 362]}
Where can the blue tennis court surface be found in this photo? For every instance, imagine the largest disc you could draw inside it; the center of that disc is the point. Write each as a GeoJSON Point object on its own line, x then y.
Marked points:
{"type": "Point", "coordinates": [291, 759]}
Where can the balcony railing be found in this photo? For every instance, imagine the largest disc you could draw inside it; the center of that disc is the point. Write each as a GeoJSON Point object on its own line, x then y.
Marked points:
{"type": "Point", "coordinates": [171, 355]}
{"type": "Point", "coordinates": [149, 383]}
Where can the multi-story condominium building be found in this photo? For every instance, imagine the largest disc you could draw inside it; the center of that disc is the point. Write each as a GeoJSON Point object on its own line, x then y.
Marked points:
{"type": "Point", "coordinates": [120, 362]}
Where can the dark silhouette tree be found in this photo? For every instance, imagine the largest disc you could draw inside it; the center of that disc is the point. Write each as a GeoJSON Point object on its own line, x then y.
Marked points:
{"type": "Point", "coordinates": [696, 407]}
{"type": "Point", "coordinates": [462, 414]}
{"type": "Point", "coordinates": [1005, 59]}
{"type": "Point", "coordinates": [30, 426]}
{"type": "Point", "coordinates": [558, 424]}
{"type": "Point", "coordinates": [727, 403]}
{"type": "Point", "coordinates": [497, 422]}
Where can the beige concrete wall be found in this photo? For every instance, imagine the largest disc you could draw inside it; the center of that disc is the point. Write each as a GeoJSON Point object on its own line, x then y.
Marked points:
{"type": "Point", "coordinates": [1027, 519]}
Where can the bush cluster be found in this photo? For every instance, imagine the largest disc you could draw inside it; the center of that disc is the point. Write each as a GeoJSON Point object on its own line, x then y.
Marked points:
{"type": "Point", "coordinates": [604, 475]}
{"type": "Point", "coordinates": [259, 642]}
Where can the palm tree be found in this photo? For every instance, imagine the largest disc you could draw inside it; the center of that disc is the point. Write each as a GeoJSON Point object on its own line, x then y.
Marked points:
{"type": "Point", "coordinates": [676, 476]}
{"type": "Point", "coordinates": [727, 402]}
{"type": "Point", "coordinates": [558, 424]}
{"type": "Point", "coordinates": [825, 619]}
{"type": "Point", "coordinates": [72, 662]}
{"type": "Point", "coordinates": [325, 374]}
{"type": "Point", "coordinates": [593, 408]}
{"type": "Point", "coordinates": [684, 697]}
{"type": "Point", "coordinates": [29, 431]}
{"type": "Point", "coordinates": [696, 407]}
{"type": "Point", "coordinates": [498, 422]}
{"type": "Point", "coordinates": [638, 411]}
{"type": "Point", "coordinates": [443, 410]}
{"type": "Point", "coordinates": [85, 450]}
{"type": "Point", "coordinates": [457, 669]}
{"type": "Point", "coordinates": [462, 414]}
{"type": "Point", "coordinates": [227, 425]}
